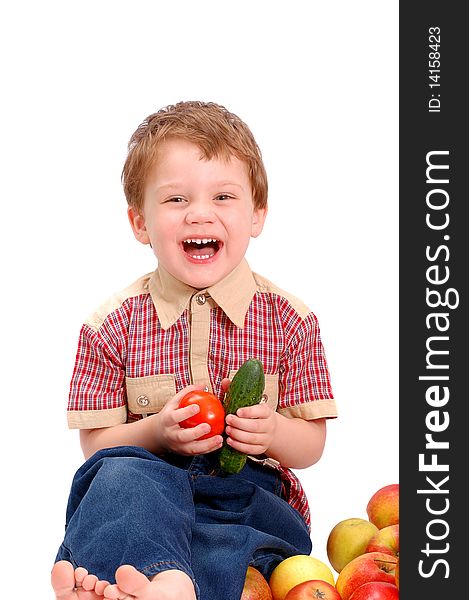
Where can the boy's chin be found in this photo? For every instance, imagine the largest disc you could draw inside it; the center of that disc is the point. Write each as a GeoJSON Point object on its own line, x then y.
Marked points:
{"type": "Point", "coordinates": [201, 283]}
{"type": "Point", "coordinates": [202, 277]}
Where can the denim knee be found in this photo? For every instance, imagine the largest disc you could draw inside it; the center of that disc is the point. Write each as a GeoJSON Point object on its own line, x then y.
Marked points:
{"type": "Point", "coordinates": [128, 506]}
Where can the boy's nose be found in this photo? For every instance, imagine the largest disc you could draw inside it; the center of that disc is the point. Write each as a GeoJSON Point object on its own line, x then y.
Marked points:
{"type": "Point", "coordinates": [199, 214]}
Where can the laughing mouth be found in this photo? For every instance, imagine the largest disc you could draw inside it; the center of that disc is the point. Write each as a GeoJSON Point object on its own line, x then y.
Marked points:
{"type": "Point", "coordinates": [201, 248]}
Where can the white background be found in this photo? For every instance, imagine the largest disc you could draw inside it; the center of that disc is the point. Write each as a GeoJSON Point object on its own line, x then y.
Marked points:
{"type": "Point", "coordinates": [317, 82]}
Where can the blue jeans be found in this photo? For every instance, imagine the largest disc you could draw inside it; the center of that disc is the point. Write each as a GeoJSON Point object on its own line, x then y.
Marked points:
{"type": "Point", "coordinates": [128, 506]}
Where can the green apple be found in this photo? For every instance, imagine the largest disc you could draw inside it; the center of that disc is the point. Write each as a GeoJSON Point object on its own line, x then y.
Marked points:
{"type": "Point", "coordinates": [347, 540]}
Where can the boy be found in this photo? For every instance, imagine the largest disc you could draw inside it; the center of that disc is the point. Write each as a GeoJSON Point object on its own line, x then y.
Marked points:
{"type": "Point", "coordinates": [150, 495]}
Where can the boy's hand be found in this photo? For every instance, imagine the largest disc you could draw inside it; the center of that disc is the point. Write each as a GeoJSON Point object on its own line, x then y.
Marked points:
{"type": "Point", "coordinates": [252, 429]}
{"type": "Point", "coordinates": [177, 439]}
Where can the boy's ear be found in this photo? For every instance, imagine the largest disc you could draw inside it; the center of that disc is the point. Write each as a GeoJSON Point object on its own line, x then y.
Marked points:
{"type": "Point", "coordinates": [258, 220]}
{"type": "Point", "coordinates": [137, 222]}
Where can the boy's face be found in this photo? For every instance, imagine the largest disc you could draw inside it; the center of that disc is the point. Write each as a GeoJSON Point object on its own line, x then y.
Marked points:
{"type": "Point", "coordinates": [198, 215]}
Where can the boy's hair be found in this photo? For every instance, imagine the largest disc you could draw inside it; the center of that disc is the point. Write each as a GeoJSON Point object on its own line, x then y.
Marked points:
{"type": "Point", "coordinates": [217, 132]}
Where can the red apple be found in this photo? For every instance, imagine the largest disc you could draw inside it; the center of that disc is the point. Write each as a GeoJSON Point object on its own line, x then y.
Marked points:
{"type": "Point", "coordinates": [383, 507]}
{"type": "Point", "coordinates": [372, 566]}
{"type": "Point", "coordinates": [376, 590]}
{"type": "Point", "coordinates": [314, 589]}
{"type": "Point", "coordinates": [396, 574]}
{"type": "Point", "coordinates": [347, 540]}
{"type": "Point", "coordinates": [255, 586]}
{"type": "Point", "coordinates": [385, 540]}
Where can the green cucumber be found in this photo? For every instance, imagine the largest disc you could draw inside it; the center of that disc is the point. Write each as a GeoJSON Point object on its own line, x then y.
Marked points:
{"type": "Point", "coordinates": [245, 389]}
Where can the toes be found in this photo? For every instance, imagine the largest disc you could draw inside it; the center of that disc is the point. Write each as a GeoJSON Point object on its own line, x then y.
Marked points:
{"type": "Point", "coordinates": [130, 580]}
{"type": "Point", "coordinates": [100, 586]}
{"type": "Point", "coordinates": [113, 592]}
{"type": "Point", "coordinates": [129, 583]}
{"type": "Point", "coordinates": [89, 582]}
{"type": "Point", "coordinates": [80, 574]}
{"type": "Point", "coordinates": [62, 578]}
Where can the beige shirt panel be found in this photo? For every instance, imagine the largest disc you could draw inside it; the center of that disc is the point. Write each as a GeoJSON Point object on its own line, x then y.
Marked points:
{"type": "Point", "coordinates": [200, 306]}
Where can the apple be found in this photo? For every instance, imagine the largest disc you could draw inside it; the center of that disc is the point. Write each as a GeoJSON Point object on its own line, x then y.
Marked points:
{"type": "Point", "coordinates": [371, 566]}
{"type": "Point", "coordinates": [296, 569]}
{"type": "Point", "coordinates": [376, 590]}
{"type": "Point", "coordinates": [396, 574]}
{"type": "Point", "coordinates": [383, 507]}
{"type": "Point", "coordinates": [255, 586]}
{"type": "Point", "coordinates": [347, 540]}
{"type": "Point", "coordinates": [385, 540]}
{"type": "Point", "coordinates": [314, 589]}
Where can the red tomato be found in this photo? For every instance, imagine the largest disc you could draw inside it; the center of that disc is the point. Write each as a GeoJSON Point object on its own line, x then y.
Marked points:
{"type": "Point", "coordinates": [211, 412]}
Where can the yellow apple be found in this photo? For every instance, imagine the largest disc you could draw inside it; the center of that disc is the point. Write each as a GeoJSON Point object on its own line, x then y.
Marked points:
{"type": "Point", "coordinates": [295, 570]}
{"type": "Point", "coordinates": [348, 539]}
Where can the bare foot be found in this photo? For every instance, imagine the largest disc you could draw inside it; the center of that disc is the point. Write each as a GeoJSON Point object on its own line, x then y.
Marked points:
{"type": "Point", "coordinates": [75, 584]}
{"type": "Point", "coordinates": [133, 585]}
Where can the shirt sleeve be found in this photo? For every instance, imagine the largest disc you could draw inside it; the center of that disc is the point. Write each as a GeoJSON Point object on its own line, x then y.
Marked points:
{"type": "Point", "coordinates": [304, 383]}
{"type": "Point", "coordinates": [97, 395]}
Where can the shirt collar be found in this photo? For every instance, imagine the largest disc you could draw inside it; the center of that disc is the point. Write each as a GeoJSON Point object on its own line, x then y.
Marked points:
{"type": "Point", "coordinates": [233, 294]}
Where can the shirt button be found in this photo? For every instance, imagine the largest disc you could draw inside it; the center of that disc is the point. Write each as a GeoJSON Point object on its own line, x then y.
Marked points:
{"type": "Point", "coordinates": [200, 299]}
{"type": "Point", "coordinates": [143, 401]}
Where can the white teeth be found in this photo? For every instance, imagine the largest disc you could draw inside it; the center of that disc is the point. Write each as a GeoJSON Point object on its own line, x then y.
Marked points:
{"type": "Point", "coordinates": [199, 240]}
{"type": "Point", "coordinates": [202, 256]}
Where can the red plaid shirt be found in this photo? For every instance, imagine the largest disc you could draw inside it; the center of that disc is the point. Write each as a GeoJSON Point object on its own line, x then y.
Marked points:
{"type": "Point", "coordinates": [160, 335]}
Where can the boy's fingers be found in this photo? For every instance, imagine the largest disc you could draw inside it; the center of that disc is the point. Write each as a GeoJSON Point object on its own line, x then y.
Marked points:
{"type": "Point", "coordinates": [192, 434]}
{"type": "Point", "coordinates": [245, 448]}
{"type": "Point", "coordinates": [225, 384]}
{"type": "Point", "coordinates": [249, 422]}
{"type": "Point", "coordinates": [176, 399]}
{"type": "Point", "coordinates": [181, 414]}
{"type": "Point", "coordinates": [208, 445]}
{"type": "Point", "coordinates": [189, 434]}
{"type": "Point", "coordinates": [190, 388]}
{"type": "Point", "coordinates": [248, 425]}
{"type": "Point", "coordinates": [258, 411]}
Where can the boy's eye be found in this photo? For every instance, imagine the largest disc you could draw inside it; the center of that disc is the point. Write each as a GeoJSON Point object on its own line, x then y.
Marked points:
{"type": "Point", "coordinates": [175, 199]}
{"type": "Point", "coordinates": [223, 197]}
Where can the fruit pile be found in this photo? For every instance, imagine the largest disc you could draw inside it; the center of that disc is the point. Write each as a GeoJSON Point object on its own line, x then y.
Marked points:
{"type": "Point", "coordinates": [364, 553]}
